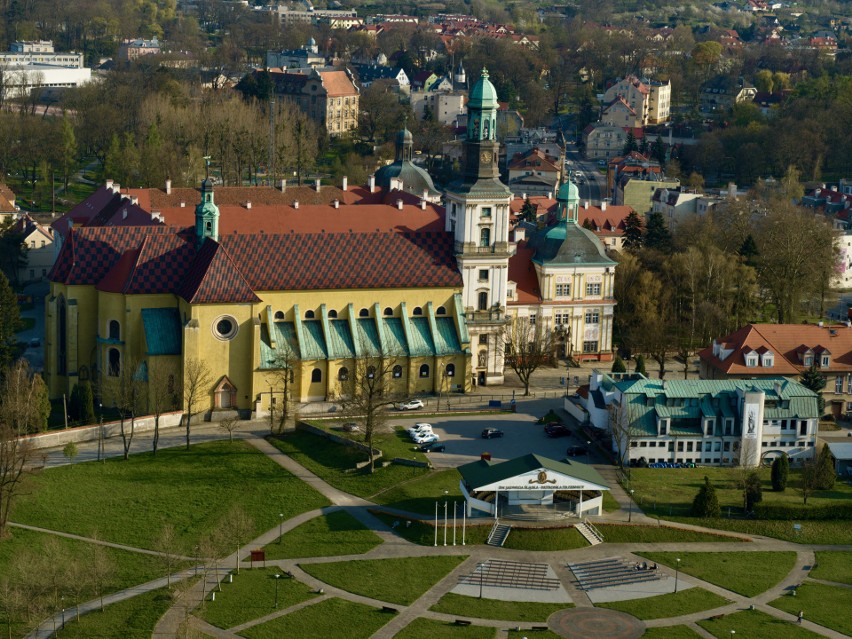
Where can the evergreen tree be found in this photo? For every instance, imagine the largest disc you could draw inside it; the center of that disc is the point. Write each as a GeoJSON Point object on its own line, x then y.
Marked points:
{"type": "Point", "coordinates": [748, 251]}
{"type": "Point", "coordinates": [587, 224]}
{"type": "Point", "coordinates": [752, 491]}
{"type": "Point", "coordinates": [640, 365]}
{"type": "Point", "coordinates": [630, 144]}
{"type": "Point", "coordinates": [780, 471]}
{"type": "Point", "coordinates": [706, 504]}
{"type": "Point", "coordinates": [528, 211]}
{"type": "Point", "coordinates": [633, 231]}
{"type": "Point", "coordinates": [815, 381]}
{"type": "Point", "coordinates": [825, 473]}
{"type": "Point", "coordinates": [657, 235]}
{"type": "Point", "coordinates": [87, 403]}
{"type": "Point", "coordinates": [9, 321]}
{"type": "Point", "coordinates": [618, 365]}
{"type": "Point", "coordinates": [74, 403]}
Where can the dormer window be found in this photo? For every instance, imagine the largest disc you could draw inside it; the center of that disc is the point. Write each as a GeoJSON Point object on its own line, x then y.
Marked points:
{"type": "Point", "coordinates": [809, 360]}
{"type": "Point", "coordinates": [751, 360]}
{"type": "Point", "coordinates": [825, 360]}
{"type": "Point", "coordinates": [768, 359]}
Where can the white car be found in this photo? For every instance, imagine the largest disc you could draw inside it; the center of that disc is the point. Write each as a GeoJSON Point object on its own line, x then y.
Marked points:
{"type": "Point", "coordinates": [426, 438]}
{"type": "Point", "coordinates": [421, 427]}
{"type": "Point", "coordinates": [411, 404]}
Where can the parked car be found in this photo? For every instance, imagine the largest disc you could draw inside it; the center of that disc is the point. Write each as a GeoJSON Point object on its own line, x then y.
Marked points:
{"type": "Point", "coordinates": [35, 342]}
{"type": "Point", "coordinates": [432, 447]}
{"type": "Point", "coordinates": [577, 451]}
{"type": "Point", "coordinates": [491, 433]}
{"type": "Point", "coordinates": [419, 429]}
{"type": "Point", "coordinates": [351, 427]}
{"type": "Point", "coordinates": [556, 430]}
{"type": "Point", "coordinates": [426, 438]}
{"type": "Point", "coordinates": [411, 404]}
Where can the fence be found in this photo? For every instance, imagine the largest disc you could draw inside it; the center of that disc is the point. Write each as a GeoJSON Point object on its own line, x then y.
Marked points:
{"type": "Point", "coordinates": [91, 433]}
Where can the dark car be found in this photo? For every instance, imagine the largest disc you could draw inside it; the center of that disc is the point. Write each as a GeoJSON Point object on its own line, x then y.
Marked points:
{"type": "Point", "coordinates": [576, 451]}
{"type": "Point", "coordinates": [491, 433]}
{"type": "Point", "coordinates": [432, 447]}
{"type": "Point", "coordinates": [556, 430]}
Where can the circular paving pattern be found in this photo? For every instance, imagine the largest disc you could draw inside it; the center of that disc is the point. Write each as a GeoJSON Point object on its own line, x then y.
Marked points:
{"type": "Point", "coordinates": [595, 623]}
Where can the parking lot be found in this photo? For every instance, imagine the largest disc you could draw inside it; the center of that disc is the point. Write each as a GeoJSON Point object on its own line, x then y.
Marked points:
{"type": "Point", "coordinates": [462, 436]}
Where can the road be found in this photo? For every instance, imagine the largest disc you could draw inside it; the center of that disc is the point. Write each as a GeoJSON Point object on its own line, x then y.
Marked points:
{"type": "Point", "coordinates": [590, 181]}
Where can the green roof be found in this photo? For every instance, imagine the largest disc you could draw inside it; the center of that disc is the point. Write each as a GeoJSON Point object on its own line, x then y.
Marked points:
{"type": "Point", "coordinates": [162, 330]}
{"type": "Point", "coordinates": [483, 472]}
{"type": "Point", "coordinates": [483, 95]}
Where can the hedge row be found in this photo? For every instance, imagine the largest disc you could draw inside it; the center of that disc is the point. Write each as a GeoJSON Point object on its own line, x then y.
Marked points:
{"type": "Point", "coordinates": [808, 513]}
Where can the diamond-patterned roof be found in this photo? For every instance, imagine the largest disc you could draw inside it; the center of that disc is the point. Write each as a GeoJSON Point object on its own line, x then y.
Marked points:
{"type": "Point", "coordinates": [214, 278]}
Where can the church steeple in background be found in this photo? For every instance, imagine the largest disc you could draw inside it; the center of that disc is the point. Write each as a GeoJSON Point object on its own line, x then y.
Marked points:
{"type": "Point", "coordinates": [481, 146]}
{"type": "Point", "coordinates": [206, 212]}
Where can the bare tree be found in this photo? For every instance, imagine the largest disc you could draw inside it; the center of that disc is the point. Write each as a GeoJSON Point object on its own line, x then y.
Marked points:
{"type": "Point", "coordinates": [125, 388]}
{"type": "Point", "coordinates": [529, 346]}
{"type": "Point", "coordinates": [15, 457]}
{"type": "Point", "coordinates": [281, 377]}
{"type": "Point", "coordinates": [24, 403]}
{"type": "Point", "coordinates": [809, 479]}
{"type": "Point", "coordinates": [230, 424]}
{"type": "Point", "coordinates": [238, 526]}
{"type": "Point", "coordinates": [12, 603]}
{"type": "Point", "coordinates": [168, 546]}
{"type": "Point", "coordinates": [197, 379]}
{"type": "Point", "coordinates": [77, 580]}
{"type": "Point", "coordinates": [622, 431]}
{"type": "Point", "coordinates": [101, 569]}
{"type": "Point", "coordinates": [162, 396]}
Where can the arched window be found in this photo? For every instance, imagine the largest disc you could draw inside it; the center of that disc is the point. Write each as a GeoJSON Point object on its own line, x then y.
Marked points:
{"type": "Point", "coordinates": [388, 312]}
{"type": "Point", "coordinates": [424, 370]}
{"type": "Point", "coordinates": [332, 314]}
{"type": "Point", "coordinates": [418, 310]}
{"type": "Point", "coordinates": [343, 374]}
{"type": "Point", "coordinates": [451, 370]}
{"type": "Point", "coordinates": [441, 311]}
{"type": "Point", "coordinates": [316, 376]}
{"type": "Point", "coordinates": [62, 337]}
{"type": "Point", "coordinates": [371, 372]}
{"type": "Point", "coordinates": [279, 315]}
{"type": "Point", "coordinates": [483, 301]}
{"type": "Point", "coordinates": [397, 371]}
{"type": "Point", "coordinates": [309, 315]}
{"type": "Point", "coordinates": [485, 237]}
{"type": "Point", "coordinates": [114, 362]}
{"type": "Point", "coordinates": [363, 313]}
{"type": "Point", "coordinates": [114, 329]}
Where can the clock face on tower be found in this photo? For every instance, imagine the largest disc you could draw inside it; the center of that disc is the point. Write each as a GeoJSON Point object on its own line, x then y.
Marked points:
{"type": "Point", "coordinates": [485, 156]}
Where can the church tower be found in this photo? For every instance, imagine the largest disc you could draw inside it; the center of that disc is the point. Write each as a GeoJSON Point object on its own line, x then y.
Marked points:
{"type": "Point", "coordinates": [478, 217]}
{"type": "Point", "coordinates": [206, 214]}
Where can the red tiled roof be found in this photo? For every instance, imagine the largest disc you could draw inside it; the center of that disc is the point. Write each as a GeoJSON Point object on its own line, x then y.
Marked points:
{"type": "Point", "coordinates": [213, 277]}
{"type": "Point", "coordinates": [522, 273]}
{"type": "Point", "coordinates": [337, 83]}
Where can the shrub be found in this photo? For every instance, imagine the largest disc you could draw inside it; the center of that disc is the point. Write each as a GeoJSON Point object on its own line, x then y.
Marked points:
{"type": "Point", "coordinates": [706, 504]}
{"type": "Point", "coordinates": [752, 491]}
{"type": "Point", "coordinates": [640, 365]}
{"type": "Point", "coordinates": [618, 365]}
{"type": "Point", "coordinates": [780, 471]}
{"type": "Point", "coordinates": [825, 475]}
{"type": "Point", "coordinates": [791, 512]}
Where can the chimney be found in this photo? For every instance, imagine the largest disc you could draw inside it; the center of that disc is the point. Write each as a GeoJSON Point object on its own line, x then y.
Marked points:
{"type": "Point", "coordinates": [109, 184]}
{"type": "Point", "coordinates": [372, 184]}
{"type": "Point", "coordinates": [819, 323]}
{"type": "Point", "coordinates": [116, 187]}
{"type": "Point", "coordinates": [520, 233]}
{"type": "Point", "coordinates": [282, 185]}
{"type": "Point", "coordinates": [425, 195]}
{"type": "Point", "coordinates": [134, 200]}
{"type": "Point", "coordinates": [295, 204]}
{"type": "Point", "coordinates": [422, 205]}
{"type": "Point", "coordinates": [168, 186]}
{"type": "Point", "coordinates": [345, 184]}
{"type": "Point", "coordinates": [603, 205]}
{"type": "Point", "coordinates": [248, 204]}
{"type": "Point", "coordinates": [399, 204]}
{"type": "Point", "coordinates": [183, 205]}
{"type": "Point", "coordinates": [317, 185]}
{"type": "Point", "coordinates": [336, 204]}
{"type": "Point", "coordinates": [523, 196]}
{"type": "Point", "coordinates": [586, 205]}
{"type": "Point", "coordinates": [550, 195]}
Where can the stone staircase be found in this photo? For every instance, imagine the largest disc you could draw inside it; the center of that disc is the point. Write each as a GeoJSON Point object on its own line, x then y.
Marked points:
{"type": "Point", "coordinates": [590, 533]}
{"type": "Point", "coordinates": [498, 534]}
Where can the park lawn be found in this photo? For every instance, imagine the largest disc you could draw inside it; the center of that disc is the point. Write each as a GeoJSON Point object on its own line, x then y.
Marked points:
{"type": "Point", "coordinates": [545, 539]}
{"type": "Point", "coordinates": [528, 611]}
{"type": "Point", "coordinates": [132, 618]}
{"type": "Point", "coordinates": [534, 634]}
{"type": "Point", "coordinates": [421, 492]}
{"type": "Point", "coordinates": [430, 629]}
{"type": "Point", "coordinates": [670, 491]}
{"type": "Point", "coordinates": [423, 533]}
{"type": "Point", "coordinates": [130, 502]}
{"type": "Point", "coordinates": [252, 595]}
{"type": "Point", "coordinates": [610, 504]}
{"type": "Point", "coordinates": [400, 581]}
{"type": "Point", "coordinates": [747, 573]}
{"type": "Point", "coordinates": [754, 623]}
{"type": "Point", "coordinates": [676, 604]}
{"type": "Point", "coordinates": [335, 464]}
{"type": "Point", "coordinates": [330, 619]}
{"type": "Point", "coordinates": [337, 533]}
{"type": "Point", "coordinates": [826, 605]}
{"type": "Point", "coordinates": [394, 443]}
{"type": "Point", "coordinates": [625, 534]}
{"type": "Point", "coordinates": [671, 632]}
{"type": "Point", "coordinates": [833, 565]}
{"type": "Point", "coordinates": [811, 532]}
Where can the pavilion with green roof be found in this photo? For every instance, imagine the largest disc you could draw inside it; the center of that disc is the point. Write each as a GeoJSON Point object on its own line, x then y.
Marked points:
{"type": "Point", "coordinates": [532, 487]}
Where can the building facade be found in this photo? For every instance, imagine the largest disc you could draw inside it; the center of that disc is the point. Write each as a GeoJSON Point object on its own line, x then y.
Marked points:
{"type": "Point", "coordinates": [328, 96]}
{"type": "Point", "coordinates": [649, 100]}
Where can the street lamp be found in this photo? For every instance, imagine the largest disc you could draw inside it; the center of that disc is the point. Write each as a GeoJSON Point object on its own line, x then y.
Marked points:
{"type": "Point", "coordinates": [589, 451]}
{"type": "Point", "coordinates": [277, 577]}
{"type": "Point", "coordinates": [196, 560]}
{"type": "Point", "coordinates": [677, 570]}
{"type": "Point", "coordinates": [481, 567]}
{"type": "Point", "coordinates": [445, 516]}
{"type": "Point", "coordinates": [733, 632]}
{"type": "Point", "coordinates": [280, 526]}
{"type": "Point", "coordinates": [630, 508]}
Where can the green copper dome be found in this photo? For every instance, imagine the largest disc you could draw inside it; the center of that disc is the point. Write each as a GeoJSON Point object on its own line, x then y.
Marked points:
{"type": "Point", "coordinates": [568, 192]}
{"type": "Point", "coordinates": [483, 95]}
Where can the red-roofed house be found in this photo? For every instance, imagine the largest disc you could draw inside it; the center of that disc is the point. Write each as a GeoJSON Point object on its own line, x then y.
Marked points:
{"type": "Point", "coordinates": [649, 99]}
{"type": "Point", "coordinates": [328, 96]}
{"type": "Point", "coordinates": [533, 172]}
{"type": "Point", "coordinates": [771, 350]}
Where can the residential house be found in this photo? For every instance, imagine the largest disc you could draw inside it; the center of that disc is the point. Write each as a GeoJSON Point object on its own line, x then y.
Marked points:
{"type": "Point", "coordinates": [723, 92]}
{"type": "Point", "coordinates": [636, 188]}
{"type": "Point", "coordinates": [131, 50]}
{"type": "Point", "coordinates": [650, 100]}
{"type": "Point", "coordinates": [369, 73]}
{"type": "Point", "coordinates": [306, 57]}
{"type": "Point", "coordinates": [606, 141]}
{"type": "Point", "coordinates": [444, 107]}
{"type": "Point", "coordinates": [619, 113]}
{"type": "Point", "coordinates": [533, 172]}
{"type": "Point", "coordinates": [680, 203]}
{"type": "Point", "coordinates": [39, 255]}
{"type": "Point", "coordinates": [328, 96]}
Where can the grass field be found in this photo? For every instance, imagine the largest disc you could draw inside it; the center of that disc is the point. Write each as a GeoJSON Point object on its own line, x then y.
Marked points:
{"type": "Point", "coordinates": [329, 619]}
{"type": "Point", "coordinates": [419, 494]}
{"type": "Point", "coordinates": [671, 632]}
{"type": "Point", "coordinates": [811, 532]}
{"type": "Point", "coordinates": [335, 464]}
{"type": "Point", "coordinates": [684, 602]}
{"type": "Point", "coordinates": [833, 566]}
{"type": "Point", "coordinates": [252, 595]}
{"type": "Point", "coordinates": [337, 533]}
{"type": "Point", "coordinates": [747, 573]}
{"type": "Point", "coordinates": [430, 629]}
{"type": "Point", "coordinates": [609, 502]}
{"type": "Point", "coordinates": [545, 539]}
{"type": "Point", "coordinates": [828, 606]}
{"type": "Point", "coordinates": [134, 617]}
{"type": "Point", "coordinates": [753, 623]}
{"type": "Point", "coordinates": [424, 534]}
{"type": "Point", "coordinates": [399, 581]}
{"type": "Point", "coordinates": [453, 604]}
{"type": "Point", "coordinates": [623, 534]}
{"type": "Point", "coordinates": [130, 501]}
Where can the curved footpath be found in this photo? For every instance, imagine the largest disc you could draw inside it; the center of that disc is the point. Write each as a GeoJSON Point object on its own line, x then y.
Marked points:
{"type": "Point", "coordinates": [394, 546]}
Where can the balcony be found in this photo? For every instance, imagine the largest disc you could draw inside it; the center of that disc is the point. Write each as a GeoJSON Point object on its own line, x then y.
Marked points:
{"type": "Point", "coordinates": [469, 248]}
